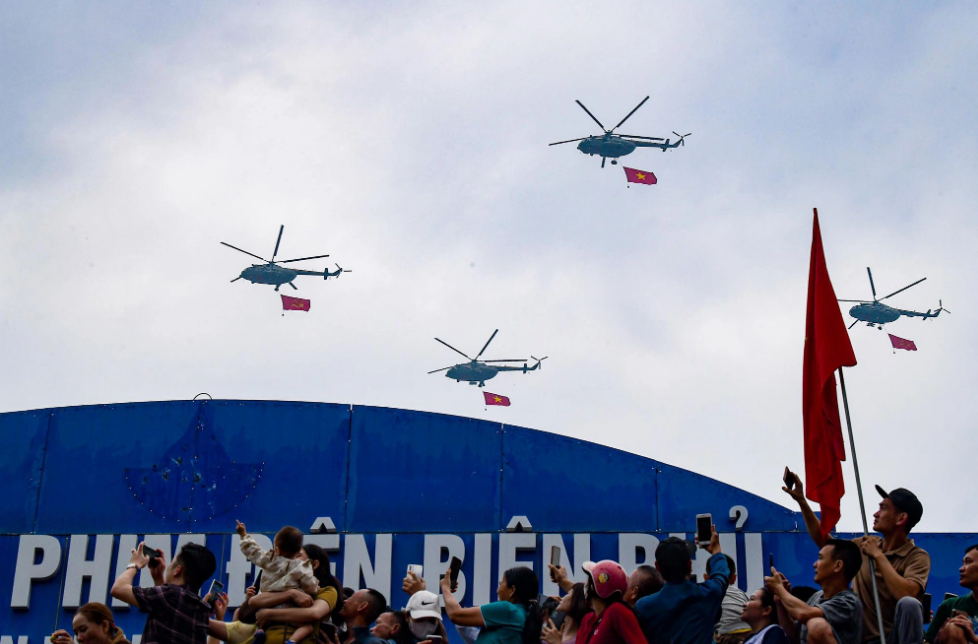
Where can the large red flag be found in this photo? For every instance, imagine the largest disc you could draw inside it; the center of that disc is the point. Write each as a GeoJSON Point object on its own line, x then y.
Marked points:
{"type": "Point", "coordinates": [495, 399]}
{"type": "Point", "coordinates": [295, 303]}
{"type": "Point", "coordinates": [827, 348]}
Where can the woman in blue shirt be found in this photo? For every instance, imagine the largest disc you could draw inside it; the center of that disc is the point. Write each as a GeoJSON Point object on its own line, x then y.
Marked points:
{"type": "Point", "coordinates": [514, 619]}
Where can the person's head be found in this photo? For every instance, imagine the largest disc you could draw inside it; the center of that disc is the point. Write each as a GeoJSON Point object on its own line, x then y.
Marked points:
{"type": "Point", "coordinates": [423, 613]}
{"type": "Point", "coordinates": [645, 581]}
{"type": "Point", "coordinates": [968, 572]}
{"type": "Point", "coordinates": [839, 560]}
{"type": "Point", "coordinates": [574, 604]}
{"type": "Point", "coordinates": [760, 610]}
{"type": "Point", "coordinates": [731, 564]}
{"type": "Point", "coordinates": [672, 559]}
{"type": "Point", "coordinates": [93, 624]}
{"type": "Point", "coordinates": [192, 566]}
{"type": "Point", "coordinates": [389, 625]}
{"type": "Point", "coordinates": [606, 581]}
{"type": "Point", "coordinates": [519, 585]}
{"type": "Point", "coordinates": [900, 510]}
{"type": "Point", "coordinates": [322, 570]}
{"type": "Point", "coordinates": [288, 542]}
{"type": "Point", "coordinates": [363, 608]}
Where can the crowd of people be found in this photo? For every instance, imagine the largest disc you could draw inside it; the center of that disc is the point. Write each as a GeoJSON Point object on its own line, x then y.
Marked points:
{"type": "Point", "coordinates": [299, 601]}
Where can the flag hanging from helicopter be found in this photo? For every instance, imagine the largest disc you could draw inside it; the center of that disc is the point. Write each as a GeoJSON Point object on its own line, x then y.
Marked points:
{"type": "Point", "coordinates": [496, 399]}
{"type": "Point", "coordinates": [295, 303]}
{"type": "Point", "coordinates": [639, 176]}
{"type": "Point", "coordinates": [900, 343]}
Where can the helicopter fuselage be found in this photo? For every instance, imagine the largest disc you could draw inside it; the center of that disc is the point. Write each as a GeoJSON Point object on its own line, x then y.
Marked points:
{"type": "Point", "coordinates": [606, 146]}
{"type": "Point", "coordinates": [875, 313]}
{"type": "Point", "coordinates": [268, 274]}
{"type": "Point", "coordinates": [472, 372]}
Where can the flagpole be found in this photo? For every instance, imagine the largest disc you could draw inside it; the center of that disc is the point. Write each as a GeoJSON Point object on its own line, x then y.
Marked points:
{"type": "Point", "coordinates": [862, 505]}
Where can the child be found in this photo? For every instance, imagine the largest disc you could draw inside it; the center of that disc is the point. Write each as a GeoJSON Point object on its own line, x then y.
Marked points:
{"type": "Point", "coordinates": [282, 569]}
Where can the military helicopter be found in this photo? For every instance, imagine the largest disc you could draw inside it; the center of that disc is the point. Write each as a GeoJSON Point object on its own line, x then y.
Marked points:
{"type": "Point", "coordinates": [271, 273]}
{"type": "Point", "coordinates": [478, 371]}
{"type": "Point", "coordinates": [876, 313]}
{"type": "Point", "coordinates": [611, 146]}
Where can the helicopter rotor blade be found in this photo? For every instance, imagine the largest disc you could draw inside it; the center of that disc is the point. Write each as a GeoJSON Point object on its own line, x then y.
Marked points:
{"type": "Point", "coordinates": [871, 285]}
{"type": "Point", "coordinates": [277, 242]}
{"type": "Point", "coordinates": [902, 289]}
{"type": "Point", "coordinates": [591, 115]}
{"type": "Point", "coordinates": [453, 349]}
{"type": "Point", "coordinates": [636, 136]}
{"type": "Point", "coordinates": [630, 114]}
{"type": "Point", "coordinates": [509, 360]}
{"type": "Point", "coordinates": [235, 279]}
{"type": "Point", "coordinates": [487, 343]}
{"type": "Point", "coordinates": [856, 301]}
{"type": "Point", "coordinates": [569, 141]}
{"type": "Point", "coordinates": [442, 369]}
{"type": "Point", "coordinates": [286, 261]}
{"type": "Point", "coordinates": [244, 251]}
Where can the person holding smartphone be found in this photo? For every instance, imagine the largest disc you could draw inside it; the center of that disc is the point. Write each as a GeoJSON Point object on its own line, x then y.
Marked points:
{"type": "Point", "coordinates": [514, 619]}
{"type": "Point", "coordinates": [93, 623]}
{"type": "Point", "coordinates": [954, 621]}
{"type": "Point", "coordinates": [611, 620]}
{"type": "Point", "coordinates": [574, 606]}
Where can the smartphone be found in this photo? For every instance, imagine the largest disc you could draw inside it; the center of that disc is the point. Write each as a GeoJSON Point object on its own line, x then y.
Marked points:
{"type": "Point", "coordinates": [211, 596]}
{"type": "Point", "coordinates": [770, 560]}
{"type": "Point", "coordinates": [789, 480]}
{"type": "Point", "coordinates": [948, 596]}
{"type": "Point", "coordinates": [557, 618]}
{"type": "Point", "coordinates": [329, 630]}
{"type": "Point", "coordinates": [926, 606]}
{"type": "Point", "coordinates": [434, 638]}
{"type": "Point", "coordinates": [453, 572]}
{"type": "Point", "coordinates": [154, 555]}
{"type": "Point", "coordinates": [704, 529]}
{"type": "Point", "coordinates": [417, 569]}
{"type": "Point", "coordinates": [555, 556]}
{"type": "Point", "coordinates": [257, 583]}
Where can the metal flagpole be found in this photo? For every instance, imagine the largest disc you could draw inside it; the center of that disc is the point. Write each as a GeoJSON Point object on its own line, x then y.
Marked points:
{"type": "Point", "coordinates": [862, 506]}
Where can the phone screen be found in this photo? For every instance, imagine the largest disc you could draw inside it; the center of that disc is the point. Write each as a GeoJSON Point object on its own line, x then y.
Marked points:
{"type": "Point", "coordinates": [770, 560]}
{"type": "Point", "coordinates": [788, 481]}
{"type": "Point", "coordinates": [456, 566]}
{"type": "Point", "coordinates": [258, 580]}
{"type": "Point", "coordinates": [704, 528]}
{"type": "Point", "coordinates": [555, 556]}
{"type": "Point", "coordinates": [926, 605]}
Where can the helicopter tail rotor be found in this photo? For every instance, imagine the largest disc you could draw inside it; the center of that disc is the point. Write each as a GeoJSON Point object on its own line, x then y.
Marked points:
{"type": "Point", "coordinates": [682, 138]}
{"type": "Point", "coordinates": [539, 360]}
{"type": "Point", "coordinates": [941, 305]}
{"type": "Point", "coordinates": [339, 271]}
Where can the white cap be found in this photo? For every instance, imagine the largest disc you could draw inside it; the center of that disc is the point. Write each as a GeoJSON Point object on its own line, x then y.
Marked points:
{"type": "Point", "coordinates": [423, 603]}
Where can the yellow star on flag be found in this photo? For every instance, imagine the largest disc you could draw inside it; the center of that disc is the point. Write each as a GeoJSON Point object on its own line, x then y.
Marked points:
{"type": "Point", "coordinates": [497, 399]}
{"type": "Point", "coordinates": [641, 176]}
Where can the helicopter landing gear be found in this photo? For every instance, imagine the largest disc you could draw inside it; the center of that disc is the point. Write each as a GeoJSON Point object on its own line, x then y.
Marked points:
{"type": "Point", "coordinates": [482, 384]}
{"type": "Point", "coordinates": [276, 287]}
{"type": "Point", "coordinates": [294, 287]}
{"type": "Point", "coordinates": [614, 162]}
{"type": "Point", "coordinates": [602, 161]}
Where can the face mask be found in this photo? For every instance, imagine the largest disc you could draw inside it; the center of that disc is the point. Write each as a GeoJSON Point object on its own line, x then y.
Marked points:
{"type": "Point", "coordinates": [422, 630]}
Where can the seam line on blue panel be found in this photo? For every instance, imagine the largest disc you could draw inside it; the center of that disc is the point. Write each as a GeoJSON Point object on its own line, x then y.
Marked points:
{"type": "Point", "coordinates": [40, 474]}
{"type": "Point", "coordinates": [346, 483]}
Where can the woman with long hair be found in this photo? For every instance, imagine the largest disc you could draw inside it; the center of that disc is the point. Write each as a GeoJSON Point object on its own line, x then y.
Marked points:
{"type": "Point", "coordinates": [605, 590]}
{"type": "Point", "coordinates": [574, 606]}
{"type": "Point", "coordinates": [514, 619]}
{"type": "Point", "coordinates": [93, 623]}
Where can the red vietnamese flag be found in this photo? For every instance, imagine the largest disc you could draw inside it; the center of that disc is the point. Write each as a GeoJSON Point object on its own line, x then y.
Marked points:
{"type": "Point", "coordinates": [295, 303]}
{"type": "Point", "coordinates": [639, 176]}
{"type": "Point", "coordinates": [900, 343]}
{"type": "Point", "coordinates": [496, 399]}
{"type": "Point", "coordinates": [827, 348]}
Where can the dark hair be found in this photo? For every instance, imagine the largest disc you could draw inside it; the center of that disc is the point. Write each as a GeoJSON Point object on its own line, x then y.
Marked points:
{"type": "Point", "coordinates": [649, 583]}
{"type": "Point", "coordinates": [198, 564]}
{"type": "Point", "coordinates": [731, 564]}
{"type": "Point", "coordinates": [767, 601]}
{"type": "Point", "coordinates": [324, 575]}
{"type": "Point", "coordinates": [970, 548]}
{"type": "Point", "coordinates": [525, 585]}
{"type": "Point", "coordinates": [849, 554]}
{"type": "Point", "coordinates": [672, 555]}
{"type": "Point", "coordinates": [288, 540]}
{"type": "Point", "coordinates": [578, 608]}
{"type": "Point", "coordinates": [403, 635]}
{"type": "Point", "coordinates": [378, 604]}
{"type": "Point", "coordinates": [804, 593]}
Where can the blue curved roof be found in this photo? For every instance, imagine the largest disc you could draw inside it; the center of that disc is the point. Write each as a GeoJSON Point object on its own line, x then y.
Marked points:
{"type": "Point", "coordinates": [196, 466]}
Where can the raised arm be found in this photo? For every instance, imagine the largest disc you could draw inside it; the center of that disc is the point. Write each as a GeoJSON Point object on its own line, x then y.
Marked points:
{"type": "Point", "coordinates": [796, 609]}
{"type": "Point", "coordinates": [797, 492]}
{"type": "Point", "coordinates": [315, 613]}
{"type": "Point", "coordinates": [459, 616]}
{"type": "Point", "coordinates": [122, 588]}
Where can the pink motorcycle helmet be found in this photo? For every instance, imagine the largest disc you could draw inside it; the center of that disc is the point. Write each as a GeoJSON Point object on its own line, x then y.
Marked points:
{"type": "Point", "coordinates": [608, 577]}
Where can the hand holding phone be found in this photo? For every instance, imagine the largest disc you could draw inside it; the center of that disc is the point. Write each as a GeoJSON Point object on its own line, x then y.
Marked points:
{"type": "Point", "coordinates": [554, 561]}
{"type": "Point", "coordinates": [704, 529]}
{"type": "Point", "coordinates": [212, 594]}
{"type": "Point", "coordinates": [416, 570]}
{"type": "Point", "coordinates": [257, 583]}
{"type": "Point", "coordinates": [456, 566]}
{"type": "Point", "coordinates": [789, 480]}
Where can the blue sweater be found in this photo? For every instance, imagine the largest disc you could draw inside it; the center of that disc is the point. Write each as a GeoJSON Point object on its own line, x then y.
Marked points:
{"type": "Point", "coordinates": [685, 612]}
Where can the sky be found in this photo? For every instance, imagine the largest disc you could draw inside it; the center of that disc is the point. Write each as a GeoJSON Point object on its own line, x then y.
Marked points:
{"type": "Point", "coordinates": [409, 141]}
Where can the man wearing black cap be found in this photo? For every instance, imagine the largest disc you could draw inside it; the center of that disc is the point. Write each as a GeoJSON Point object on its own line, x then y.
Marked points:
{"type": "Point", "coordinates": [901, 567]}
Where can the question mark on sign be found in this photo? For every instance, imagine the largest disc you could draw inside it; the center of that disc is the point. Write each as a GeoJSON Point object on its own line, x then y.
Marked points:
{"type": "Point", "coordinates": [738, 513]}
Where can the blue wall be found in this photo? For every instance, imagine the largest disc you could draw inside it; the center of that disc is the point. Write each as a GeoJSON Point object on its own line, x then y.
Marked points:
{"type": "Point", "coordinates": [175, 468]}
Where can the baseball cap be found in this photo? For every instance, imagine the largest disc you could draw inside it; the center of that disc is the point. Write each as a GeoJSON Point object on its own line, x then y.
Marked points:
{"type": "Point", "coordinates": [907, 502]}
{"type": "Point", "coordinates": [423, 603]}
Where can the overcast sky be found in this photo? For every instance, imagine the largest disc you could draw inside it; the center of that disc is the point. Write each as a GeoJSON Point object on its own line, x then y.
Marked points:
{"type": "Point", "coordinates": [409, 141]}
